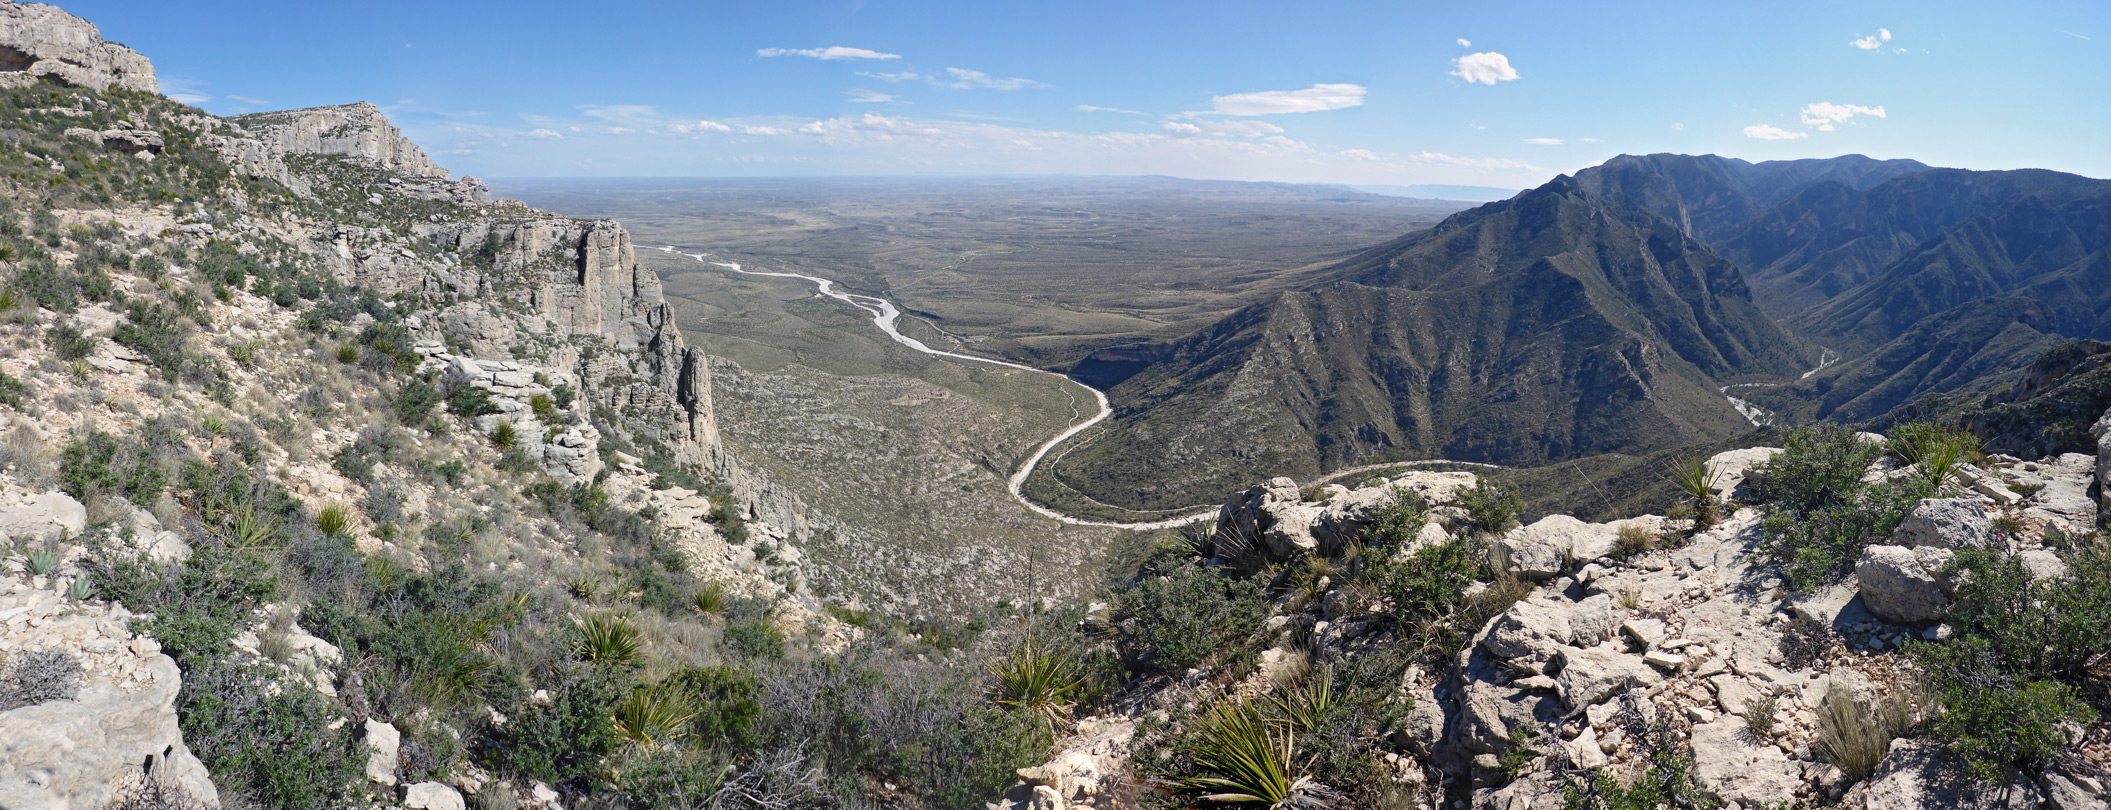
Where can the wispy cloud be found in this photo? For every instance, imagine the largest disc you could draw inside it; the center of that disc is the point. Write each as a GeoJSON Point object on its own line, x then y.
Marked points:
{"type": "Point", "coordinates": [864, 96]}
{"type": "Point", "coordinates": [1545, 141]}
{"type": "Point", "coordinates": [892, 77]}
{"type": "Point", "coordinates": [701, 126]}
{"type": "Point", "coordinates": [832, 53]}
{"type": "Point", "coordinates": [1484, 68]}
{"type": "Point", "coordinates": [1317, 98]}
{"type": "Point", "coordinates": [1241, 128]}
{"type": "Point", "coordinates": [193, 99]}
{"type": "Point", "coordinates": [1091, 108]}
{"type": "Point", "coordinates": [542, 135]}
{"type": "Point", "coordinates": [1772, 133]}
{"type": "Point", "coordinates": [1873, 41]}
{"type": "Point", "coordinates": [1464, 44]}
{"type": "Point", "coordinates": [964, 79]}
{"type": "Point", "coordinates": [2073, 34]}
{"type": "Point", "coordinates": [626, 114]}
{"type": "Point", "coordinates": [1825, 114]}
{"type": "Point", "coordinates": [254, 102]}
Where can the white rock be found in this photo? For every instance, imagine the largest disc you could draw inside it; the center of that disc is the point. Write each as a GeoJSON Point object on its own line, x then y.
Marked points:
{"type": "Point", "coordinates": [1901, 584]}
{"type": "Point", "coordinates": [431, 796]}
{"type": "Point", "coordinates": [384, 749]}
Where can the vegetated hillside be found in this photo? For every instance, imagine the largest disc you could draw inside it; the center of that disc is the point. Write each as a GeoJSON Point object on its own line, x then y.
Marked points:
{"type": "Point", "coordinates": [1550, 326]}
{"type": "Point", "coordinates": [1713, 197]}
{"type": "Point", "coordinates": [329, 482]}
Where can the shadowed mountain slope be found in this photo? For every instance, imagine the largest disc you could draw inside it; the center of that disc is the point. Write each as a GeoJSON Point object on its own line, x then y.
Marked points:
{"type": "Point", "coordinates": [1553, 325]}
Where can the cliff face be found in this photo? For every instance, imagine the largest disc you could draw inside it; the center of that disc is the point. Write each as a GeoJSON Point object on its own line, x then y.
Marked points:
{"type": "Point", "coordinates": [40, 42]}
{"type": "Point", "coordinates": [357, 130]}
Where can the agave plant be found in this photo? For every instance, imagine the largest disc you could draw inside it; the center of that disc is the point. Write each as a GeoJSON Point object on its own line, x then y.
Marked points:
{"type": "Point", "coordinates": [1037, 677]}
{"type": "Point", "coordinates": [42, 562]}
{"type": "Point", "coordinates": [1697, 479]}
{"type": "Point", "coordinates": [81, 589]}
{"type": "Point", "coordinates": [1304, 707]}
{"type": "Point", "coordinates": [583, 587]}
{"type": "Point", "coordinates": [334, 520]}
{"type": "Point", "coordinates": [1937, 451]}
{"type": "Point", "coordinates": [608, 639]}
{"type": "Point", "coordinates": [653, 715]}
{"type": "Point", "coordinates": [711, 598]}
{"type": "Point", "coordinates": [1246, 758]}
{"type": "Point", "coordinates": [246, 528]}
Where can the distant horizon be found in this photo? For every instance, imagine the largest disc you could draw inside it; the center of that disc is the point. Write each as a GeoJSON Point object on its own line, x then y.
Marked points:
{"type": "Point", "coordinates": [1356, 93]}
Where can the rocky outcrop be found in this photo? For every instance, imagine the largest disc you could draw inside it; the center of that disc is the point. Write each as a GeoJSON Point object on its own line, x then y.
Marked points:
{"type": "Point", "coordinates": [1919, 774]}
{"type": "Point", "coordinates": [39, 42]}
{"type": "Point", "coordinates": [1275, 518]}
{"type": "Point", "coordinates": [1945, 523]}
{"type": "Point", "coordinates": [1544, 549]}
{"type": "Point", "coordinates": [2102, 431]}
{"type": "Point", "coordinates": [1904, 585]}
{"type": "Point", "coordinates": [356, 130]}
{"type": "Point", "coordinates": [40, 516]}
{"type": "Point", "coordinates": [120, 726]}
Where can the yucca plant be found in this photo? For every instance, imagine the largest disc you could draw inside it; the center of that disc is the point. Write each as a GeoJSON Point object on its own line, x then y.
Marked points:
{"type": "Point", "coordinates": [246, 528]}
{"type": "Point", "coordinates": [1694, 477]}
{"type": "Point", "coordinates": [42, 562]}
{"type": "Point", "coordinates": [583, 587]}
{"type": "Point", "coordinates": [1037, 677]}
{"type": "Point", "coordinates": [334, 520]}
{"type": "Point", "coordinates": [504, 436]}
{"type": "Point", "coordinates": [1304, 707]}
{"type": "Point", "coordinates": [1245, 758]}
{"type": "Point", "coordinates": [608, 639]}
{"type": "Point", "coordinates": [348, 353]}
{"type": "Point", "coordinates": [651, 716]}
{"type": "Point", "coordinates": [711, 598]}
{"type": "Point", "coordinates": [212, 425]}
{"type": "Point", "coordinates": [1937, 451]}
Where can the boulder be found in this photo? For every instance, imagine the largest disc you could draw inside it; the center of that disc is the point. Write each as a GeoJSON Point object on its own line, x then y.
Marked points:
{"type": "Point", "coordinates": [1737, 472]}
{"type": "Point", "coordinates": [2102, 431]}
{"type": "Point", "coordinates": [431, 796]}
{"type": "Point", "coordinates": [1901, 584]}
{"type": "Point", "coordinates": [1544, 549]}
{"type": "Point", "coordinates": [384, 750]}
{"type": "Point", "coordinates": [1538, 628]}
{"type": "Point", "coordinates": [1738, 768]}
{"type": "Point", "coordinates": [1591, 675]}
{"type": "Point", "coordinates": [43, 517]}
{"type": "Point", "coordinates": [1945, 523]}
{"type": "Point", "coordinates": [1917, 774]}
{"type": "Point", "coordinates": [77, 753]}
{"type": "Point", "coordinates": [2068, 791]}
{"type": "Point", "coordinates": [2043, 564]}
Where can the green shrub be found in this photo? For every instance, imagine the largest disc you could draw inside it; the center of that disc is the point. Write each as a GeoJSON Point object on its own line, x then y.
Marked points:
{"type": "Point", "coordinates": [543, 407]}
{"type": "Point", "coordinates": [415, 400]}
{"type": "Point", "coordinates": [1175, 615]}
{"type": "Point", "coordinates": [157, 332]}
{"type": "Point", "coordinates": [470, 401]}
{"type": "Point", "coordinates": [374, 445]}
{"type": "Point", "coordinates": [504, 436]}
{"type": "Point", "coordinates": [1938, 450]}
{"type": "Point", "coordinates": [68, 342]}
{"type": "Point", "coordinates": [1492, 505]}
{"type": "Point", "coordinates": [333, 520]}
{"type": "Point", "coordinates": [728, 704]}
{"type": "Point", "coordinates": [198, 606]}
{"type": "Point", "coordinates": [563, 395]}
{"type": "Point", "coordinates": [563, 741]}
{"type": "Point", "coordinates": [710, 598]}
{"type": "Point", "coordinates": [12, 391]}
{"type": "Point", "coordinates": [755, 638]}
{"type": "Point", "coordinates": [98, 463]}
{"type": "Point", "coordinates": [348, 353]}
{"type": "Point", "coordinates": [1994, 717]}
{"type": "Point", "coordinates": [2047, 629]}
{"type": "Point", "coordinates": [268, 738]}
{"type": "Point", "coordinates": [1434, 601]}
{"type": "Point", "coordinates": [1823, 514]}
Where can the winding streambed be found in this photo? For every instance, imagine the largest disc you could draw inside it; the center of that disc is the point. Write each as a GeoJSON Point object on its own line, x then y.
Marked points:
{"type": "Point", "coordinates": [886, 316]}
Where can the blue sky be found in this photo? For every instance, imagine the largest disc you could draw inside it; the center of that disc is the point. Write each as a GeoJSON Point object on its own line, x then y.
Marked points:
{"type": "Point", "coordinates": [1499, 94]}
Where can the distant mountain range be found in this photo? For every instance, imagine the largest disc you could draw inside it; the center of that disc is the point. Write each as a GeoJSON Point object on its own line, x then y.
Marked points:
{"type": "Point", "coordinates": [1441, 192]}
{"type": "Point", "coordinates": [1604, 313]}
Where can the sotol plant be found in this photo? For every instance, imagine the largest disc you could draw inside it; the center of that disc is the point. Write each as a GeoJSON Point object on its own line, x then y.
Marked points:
{"type": "Point", "coordinates": [1244, 757]}
{"type": "Point", "coordinates": [652, 716]}
{"type": "Point", "coordinates": [1697, 479]}
{"type": "Point", "coordinates": [608, 639]}
{"type": "Point", "coordinates": [1037, 677]}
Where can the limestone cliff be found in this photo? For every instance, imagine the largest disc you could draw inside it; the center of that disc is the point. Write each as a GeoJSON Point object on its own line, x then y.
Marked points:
{"type": "Point", "coordinates": [357, 130]}
{"type": "Point", "coordinates": [40, 42]}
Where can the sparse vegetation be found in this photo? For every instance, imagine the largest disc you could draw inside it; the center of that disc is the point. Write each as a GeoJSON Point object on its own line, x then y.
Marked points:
{"type": "Point", "coordinates": [1823, 513]}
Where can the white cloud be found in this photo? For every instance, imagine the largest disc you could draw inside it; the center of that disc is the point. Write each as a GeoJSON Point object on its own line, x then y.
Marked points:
{"type": "Point", "coordinates": [543, 135]}
{"type": "Point", "coordinates": [1678, 127]}
{"type": "Point", "coordinates": [1484, 68]}
{"type": "Point", "coordinates": [1545, 141]}
{"type": "Point", "coordinates": [1243, 128]}
{"type": "Point", "coordinates": [832, 53]}
{"type": "Point", "coordinates": [864, 96]}
{"type": "Point", "coordinates": [700, 126]}
{"type": "Point", "coordinates": [965, 79]}
{"type": "Point", "coordinates": [247, 100]}
{"type": "Point", "coordinates": [1317, 98]}
{"type": "Point", "coordinates": [1589, 140]}
{"type": "Point", "coordinates": [193, 99]}
{"type": "Point", "coordinates": [1872, 42]}
{"type": "Point", "coordinates": [892, 77]}
{"type": "Point", "coordinates": [1771, 133]}
{"type": "Point", "coordinates": [1091, 108]}
{"type": "Point", "coordinates": [1825, 114]}
{"type": "Point", "coordinates": [1465, 44]}
{"type": "Point", "coordinates": [763, 130]}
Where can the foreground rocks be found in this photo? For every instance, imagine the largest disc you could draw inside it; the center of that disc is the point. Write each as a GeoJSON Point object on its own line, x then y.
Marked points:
{"type": "Point", "coordinates": [39, 42]}
{"type": "Point", "coordinates": [120, 726]}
